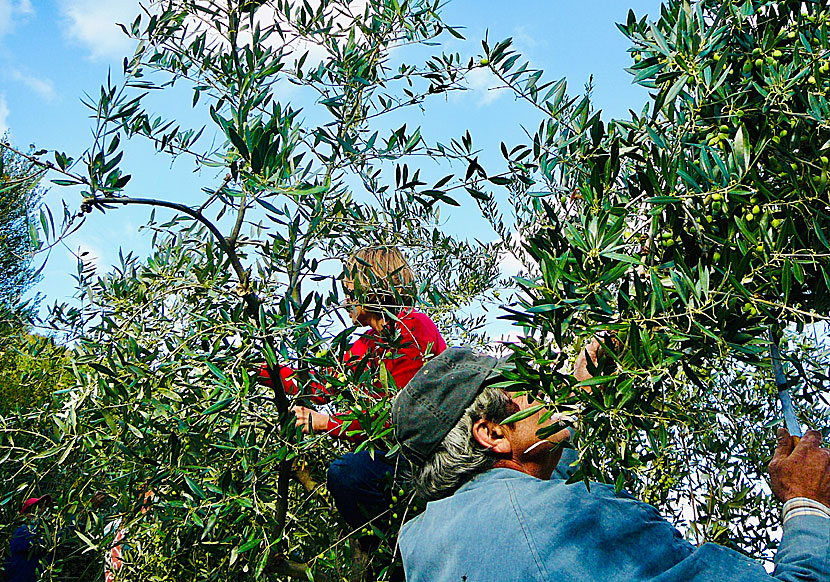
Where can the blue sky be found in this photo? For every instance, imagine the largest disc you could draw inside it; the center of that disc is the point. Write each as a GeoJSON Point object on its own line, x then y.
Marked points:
{"type": "Point", "coordinates": [52, 53]}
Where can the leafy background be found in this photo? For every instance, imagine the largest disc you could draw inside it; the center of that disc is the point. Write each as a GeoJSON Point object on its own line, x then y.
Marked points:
{"type": "Point", "coordinates": [694, 230]}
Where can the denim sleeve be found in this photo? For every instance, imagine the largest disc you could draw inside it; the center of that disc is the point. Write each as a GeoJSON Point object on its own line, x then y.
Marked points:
{"type": "Point", "coordinates": [804, 553]}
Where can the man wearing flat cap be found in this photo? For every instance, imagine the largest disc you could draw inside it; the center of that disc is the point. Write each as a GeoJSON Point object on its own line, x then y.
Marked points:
{"type": "Point", "coordinates": [495, 513]}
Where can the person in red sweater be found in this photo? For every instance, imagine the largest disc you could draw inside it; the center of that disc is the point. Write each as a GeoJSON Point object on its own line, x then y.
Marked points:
{"type": "Point", "coordinates": [399, 340]}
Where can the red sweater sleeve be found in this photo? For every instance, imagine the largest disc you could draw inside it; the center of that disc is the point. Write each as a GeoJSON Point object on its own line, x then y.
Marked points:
{"type": "Point", "coordinates": [419, 337]}
{"type": "Point", "coordinates": [319, 393]}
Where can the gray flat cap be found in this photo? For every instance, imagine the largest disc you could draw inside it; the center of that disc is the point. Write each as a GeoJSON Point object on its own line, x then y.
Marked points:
{"type": "Point", "coordinates": [434, 400]}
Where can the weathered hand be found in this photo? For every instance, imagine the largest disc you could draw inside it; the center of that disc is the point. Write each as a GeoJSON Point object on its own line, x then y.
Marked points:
{"type": "Point", "coordinates": [801, 470]}
{"type": "Point", "coordinates": [581, 365]}
{"type": "Point", "coordinates": [309, 420]}
{"type": "Point", "coordinates": [593, 350]}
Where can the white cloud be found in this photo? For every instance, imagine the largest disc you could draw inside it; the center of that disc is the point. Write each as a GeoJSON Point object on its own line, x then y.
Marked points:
{"type": "Point", "coordinates": [517, 261]}
{"type": "Point", "coordinates": [5, 16]}
{"type": "Point", "coordinates": [510, 265]}
{"type": "Point", "coordinates": [524, 40]}
{"type": "Point", "coordinates": [4, 114]}
{"type": "Point", "coordinates": [43, 87]}
{"type": "Point", "coordinates": [497, 347]}
{"type": "Point", "coordinates": [266, 16]}
{"type": "Point", "coordinates": [94, 24]}
{"type": "Point", "coordinates": [89, 254]}
{"type": "Point", "coordinates": [10, 11]}
{"type": "Point", "coordinates": [484, 85]}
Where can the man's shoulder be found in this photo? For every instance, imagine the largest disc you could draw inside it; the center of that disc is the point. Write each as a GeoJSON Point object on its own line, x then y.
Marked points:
{"type": "Point", "coordinates": [508, 490]}
{"type": "Point", "coordinates": [501, 484]}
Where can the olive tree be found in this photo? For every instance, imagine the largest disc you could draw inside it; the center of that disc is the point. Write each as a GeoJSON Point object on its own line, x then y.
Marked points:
{"type": "Point", "coordinates": [19, 200]}
{"type": "Point", "coordinates": [243, 273]}
{"type": "Point", "coordinates": [693, 231]}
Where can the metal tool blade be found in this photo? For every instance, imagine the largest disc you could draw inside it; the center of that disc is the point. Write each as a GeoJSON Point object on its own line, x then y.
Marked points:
{"type": "Point", "coordinates": [790, 420]}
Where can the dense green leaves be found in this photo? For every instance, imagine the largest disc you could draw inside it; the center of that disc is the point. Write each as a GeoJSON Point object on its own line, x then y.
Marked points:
{"type": "Point", "coordinates": [19, 200]}
{"type": "Point", "coordinates": [687, 231]}
{"type": "Point", "coordinates": [166, 401]}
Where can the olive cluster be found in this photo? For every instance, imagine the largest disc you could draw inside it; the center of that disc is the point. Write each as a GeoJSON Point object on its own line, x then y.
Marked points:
{"type": "Point", "coordinates": [400, 505]}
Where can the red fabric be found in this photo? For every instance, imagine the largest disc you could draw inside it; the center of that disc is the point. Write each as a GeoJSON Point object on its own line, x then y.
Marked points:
{"type": "Point", "coordinates": [419, 337]}
{"type": "Point", "coordinates": [32, 501]}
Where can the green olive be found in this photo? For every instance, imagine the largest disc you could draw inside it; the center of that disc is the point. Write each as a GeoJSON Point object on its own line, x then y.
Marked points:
{"type": "Point", "coordinates": [484, 62]}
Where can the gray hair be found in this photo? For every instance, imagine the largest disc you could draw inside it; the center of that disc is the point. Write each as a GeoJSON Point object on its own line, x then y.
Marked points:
{"type": "Point", "coordinates": [460, 457]}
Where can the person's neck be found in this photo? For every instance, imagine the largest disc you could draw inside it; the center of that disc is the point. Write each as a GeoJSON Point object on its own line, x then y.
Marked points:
{"type": "Point", "coordinates": [541, 469]}
{"type": "Point", "coordinates": [376, 321]}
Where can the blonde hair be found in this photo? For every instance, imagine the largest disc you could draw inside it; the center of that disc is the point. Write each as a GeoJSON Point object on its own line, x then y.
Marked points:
{"type": "Point", "coordinates": [380, 276]}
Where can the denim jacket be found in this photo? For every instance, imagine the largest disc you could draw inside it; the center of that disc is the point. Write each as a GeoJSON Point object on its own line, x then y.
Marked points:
{"type": "Point", "coordinates": [504, 525]}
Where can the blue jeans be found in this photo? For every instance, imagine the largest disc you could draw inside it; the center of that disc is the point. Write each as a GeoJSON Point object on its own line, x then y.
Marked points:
{"type": "Point", "coordinates": [360, 485]}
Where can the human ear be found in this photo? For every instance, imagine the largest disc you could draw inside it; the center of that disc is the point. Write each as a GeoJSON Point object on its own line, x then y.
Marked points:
{"type": "Point", "coordinates": [492, 436]}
